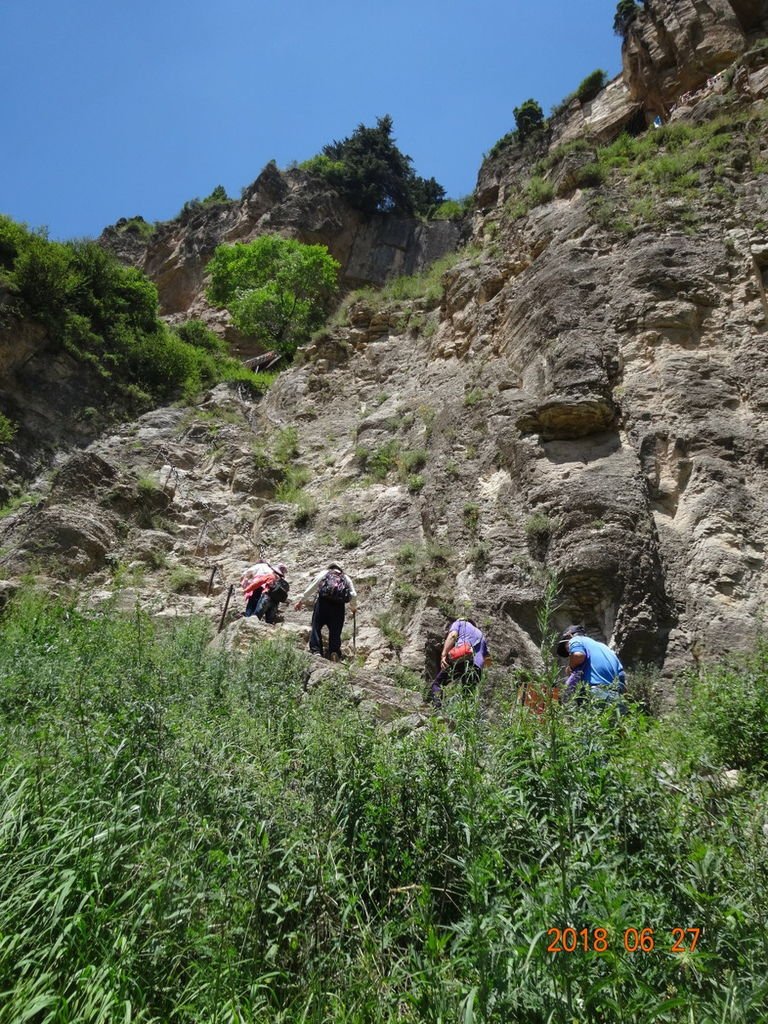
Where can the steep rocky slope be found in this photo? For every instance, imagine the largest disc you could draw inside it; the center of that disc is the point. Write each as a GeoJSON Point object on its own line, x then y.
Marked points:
{"type": "Point", "coordinates": [584, 397]}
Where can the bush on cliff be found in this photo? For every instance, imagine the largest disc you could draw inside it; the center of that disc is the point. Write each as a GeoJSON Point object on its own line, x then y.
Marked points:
{"type": "Point", "coordinates": [374, 175]}
{"type": "Point", "coordinates": [626, 12]}
{"type": "Point", "coordinates": [276, 289]}
{"type": "Point", "coordinates": [105, 315]}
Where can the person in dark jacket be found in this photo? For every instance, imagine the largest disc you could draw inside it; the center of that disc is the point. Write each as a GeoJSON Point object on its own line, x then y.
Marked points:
{"type": "Point", "coordinates": [331, 590]}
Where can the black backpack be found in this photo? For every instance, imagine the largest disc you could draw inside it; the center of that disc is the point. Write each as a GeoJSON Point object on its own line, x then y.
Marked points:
{"type": "Point", "coordinates": [279, 590]}
{"type": "Point", "coordinates": [334, 587]}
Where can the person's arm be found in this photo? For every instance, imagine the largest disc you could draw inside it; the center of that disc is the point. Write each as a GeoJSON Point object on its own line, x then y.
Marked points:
{"type": "Point", "coordinates": [352, 594]}
{"type": "Point", "coordinates": [311, 592]}
{"type": "Point", "coordinates": [450, 642]}
{"type": "Point", "coordinates": [576, 659]}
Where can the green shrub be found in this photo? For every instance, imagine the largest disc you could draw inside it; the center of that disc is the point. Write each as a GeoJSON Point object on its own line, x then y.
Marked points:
{"type": "Point", "coordinates": [626, 12]}
{"type": "Point", "coordinates": [539, 525]}
{"type": "Point", "coordinates": [590, 86]}
{"type": "Point", "coordinates": [136, 226]}
{"type": "Point", "coordinates": [374, 175]}
{"type": "Point", "coordinates": [106, 316]}
{"type": "Point", "coordinates": [182, 578]}
{"type": "Point", "coordinates": [349, 538]}
{"type": "Point", "coordinates": [277, 290]}
{"type": "Point", "coordinates": [471, 515]}
{"type": "Point", "coordinates": [452, 209]}
{"type": "Point", "coordinates": [729, 708]}
{"type": "Point", "coordinates": [7, 429]}
{"type": "Point", "coordinates": [415, 483]}
{"type": "Point", "coordinates": [529, 117]}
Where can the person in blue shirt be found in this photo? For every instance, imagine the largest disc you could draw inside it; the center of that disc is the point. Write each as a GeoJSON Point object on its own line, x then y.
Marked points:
{"type": "Point", "coordinates": [594, 668]}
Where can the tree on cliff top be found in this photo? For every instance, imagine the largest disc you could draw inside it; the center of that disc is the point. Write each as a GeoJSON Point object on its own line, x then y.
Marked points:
{"type": "Point", "coordinates": [276, 289]}
{"type": "Point", "coordinates": [626, 12]}
{"type": "Point", "coordinates": [528, 117]}
{"type": "Point", "coordinates": [374, 175]}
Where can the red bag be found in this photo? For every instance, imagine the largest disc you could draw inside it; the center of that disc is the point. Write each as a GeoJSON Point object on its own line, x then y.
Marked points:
{"type": "Point", "coordinates": [460, 653]}
{"type": "Point", "coordinates": [258, 581]}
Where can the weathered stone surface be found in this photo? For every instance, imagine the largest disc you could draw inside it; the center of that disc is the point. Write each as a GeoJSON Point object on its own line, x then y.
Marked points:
{"type": "Point", "coordinates": [602, 118]}
{"type": "Point", "coordinates": [588, 401]}
{"type": "Point", "coordinates": [293, 204]}
{"type": "Point", "coordinates": [673, 48]}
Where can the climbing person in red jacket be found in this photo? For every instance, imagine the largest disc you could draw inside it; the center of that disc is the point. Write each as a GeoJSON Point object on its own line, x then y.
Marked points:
{"type": "Point", "coordinates": [264, 586]}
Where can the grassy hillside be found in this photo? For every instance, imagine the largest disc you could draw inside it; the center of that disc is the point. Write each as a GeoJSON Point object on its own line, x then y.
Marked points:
{"type": "Point", "coordinates": [187, 836]}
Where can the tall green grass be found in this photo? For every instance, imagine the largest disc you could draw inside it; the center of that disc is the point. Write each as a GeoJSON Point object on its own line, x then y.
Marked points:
{"type": "Point", "coordinates": [188, 836]}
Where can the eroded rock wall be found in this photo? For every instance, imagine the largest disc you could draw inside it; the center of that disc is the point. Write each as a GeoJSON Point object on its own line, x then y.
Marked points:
{"type": "Point", "coordinates": [293, 204]}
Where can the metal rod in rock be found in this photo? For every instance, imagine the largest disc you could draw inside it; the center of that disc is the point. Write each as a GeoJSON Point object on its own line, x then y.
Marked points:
{"type": "Point", "coordinates": [210, 581]}
{"type": "Point", "coordinates": [226, 605]}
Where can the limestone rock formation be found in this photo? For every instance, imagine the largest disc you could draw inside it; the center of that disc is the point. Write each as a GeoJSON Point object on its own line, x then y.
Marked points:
{"type": "Point", "coordinates": [584, 401]}
{"type": "Point", "coordinates": [293, 204]}
{"type": "Point", "coordinates": [674, 47]}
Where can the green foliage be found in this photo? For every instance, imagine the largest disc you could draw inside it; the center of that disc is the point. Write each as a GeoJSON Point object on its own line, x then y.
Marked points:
{"type": "Point", "coordinates": [7, 429]}
{"type": "Point", "coordinates": [276, 289]}
{"type": "Point", "coordinates": [188, 836]}
{"type": "Point", "coordinates": [452, 209]}
{"type": "Point", "coordinates": [391, 632]}
{"type": "Point", "coordinates": [590, 86]}
{"type": "Point", "coordinates": [136, 226]}
{"type": "Point", "coordinates": [536, 192]}
{"type": "Point", "coordinates": [538, 525]}
{"type": "Point", "coordinates": [473, 397]}
{"type": "Point", "coordinates": [218, 196]}
{"type": "Point", "coordinates": [729, 705]}
{"type": "Point", "coordinates": [195, 333]}
{"type": "Point", "coordinates": [349, 538]}
{"type": "Point", "coordinates": [286, 446]}
{"type": "Point", "coordinates": [471, 515]}
{"type": "Point", "coordinates": [626, 12]}
{"type": "Point", "coordinates": [586, 90]}
{"type": "Point", "coordinates": [529, 117]}
{"type": "Point", "coordinates": [15, 503]}
{"type": "Point", "coordinates": [182, 578]}
{"type": "Point", "coordinates": [374, 175]}
{"type": "Point", "coordinates": [105, 316]}
{"type": "Point", "coordinates": [415, 483]}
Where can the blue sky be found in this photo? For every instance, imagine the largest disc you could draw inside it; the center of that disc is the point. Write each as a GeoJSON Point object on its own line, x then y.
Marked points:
{"type": "Point", "coordinates": [113, 109]}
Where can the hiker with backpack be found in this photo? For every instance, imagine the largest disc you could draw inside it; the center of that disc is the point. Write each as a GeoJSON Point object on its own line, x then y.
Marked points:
{"type": "Point", "coordinates": [594, 670]}
{"type": "Point", "coordinates": [331, 590]}
{"type": "Point", "coordinates": [464, 656]}
{"type": "Point", "coordinates": [264, 587]}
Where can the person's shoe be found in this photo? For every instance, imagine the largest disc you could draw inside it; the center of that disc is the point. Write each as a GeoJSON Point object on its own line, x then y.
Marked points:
{"type": "Point", "coordinates": [335, 657]}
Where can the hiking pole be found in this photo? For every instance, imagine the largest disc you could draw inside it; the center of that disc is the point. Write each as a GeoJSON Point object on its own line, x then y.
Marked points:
{"type": "Point", "coordinates": [354, 633]}
{"type": "Point", "coordinates": [226, 605]}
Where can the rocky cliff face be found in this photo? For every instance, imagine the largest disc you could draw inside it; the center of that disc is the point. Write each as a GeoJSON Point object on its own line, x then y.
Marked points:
{"type": "Point", "coordinates": [294, 204]}
{"type": "Point", "coordinates": [584, 401]}
{"type": "Point", "coordinates": [674, 47]}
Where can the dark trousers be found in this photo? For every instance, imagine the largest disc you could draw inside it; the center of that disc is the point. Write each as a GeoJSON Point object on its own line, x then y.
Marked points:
{"type": "Point", "coordinates": [330, 614]}
{"type": "Point", "coordinates": [466, 672]}
{"type": "Point", "coordinates": [262, 606]}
